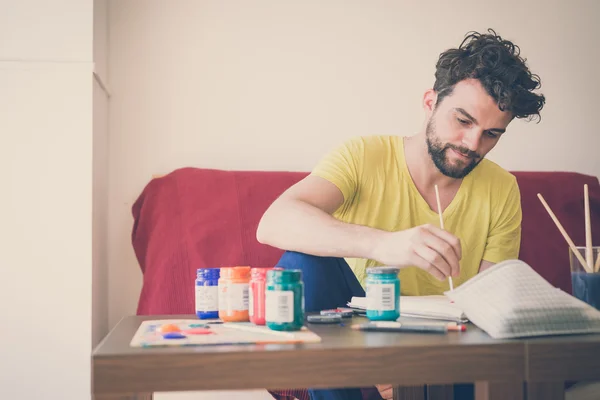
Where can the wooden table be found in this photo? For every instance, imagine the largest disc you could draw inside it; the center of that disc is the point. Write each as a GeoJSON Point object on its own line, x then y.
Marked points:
{"type": "Point", "coordinates": [346, 358]}
{"type": "Point", "coordinates": [553, 361]}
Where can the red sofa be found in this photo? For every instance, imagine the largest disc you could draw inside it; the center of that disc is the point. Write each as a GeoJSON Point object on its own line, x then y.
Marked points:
{"type": "Point", "coordinates": [201, 218]}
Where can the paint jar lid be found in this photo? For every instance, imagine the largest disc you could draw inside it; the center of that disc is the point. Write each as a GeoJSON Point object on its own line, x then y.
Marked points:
{"type": "Point", "coordinates": [383, 270]}
{"type": "Point", "coordinates": [277, 275]}
{"type": "Point", "coordinates": [208, 273]}
{"type": "Point", "coordinates": [259, 272]}
{"type": "Point", "coordinates": [235, 272]}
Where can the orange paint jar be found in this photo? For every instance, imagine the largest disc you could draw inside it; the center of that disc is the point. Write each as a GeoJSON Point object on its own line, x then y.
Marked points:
{"type": "Point", "coordinates": [233, 285]}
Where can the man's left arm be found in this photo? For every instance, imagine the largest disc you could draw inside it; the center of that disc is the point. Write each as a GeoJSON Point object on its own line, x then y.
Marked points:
{"type": "Point", "coordinates": [485, 265]}
{"type": "Point", "coordinates": [504, 238]}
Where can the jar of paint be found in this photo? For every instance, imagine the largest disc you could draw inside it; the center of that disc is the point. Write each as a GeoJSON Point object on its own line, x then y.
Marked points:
{"type": "Point", "coordinates": [207, 293]}
{"type": "Point", "coordinates": [284, 300]}
{"type": "Point", "coordinates": [383, 293]}
{"type": "Point", "coordinates": [233, 294]}
{"type": "Point", "coordinates": [256, 295]}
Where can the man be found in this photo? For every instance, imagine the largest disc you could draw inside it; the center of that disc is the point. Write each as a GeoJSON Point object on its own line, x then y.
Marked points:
{"type": "Point", "coordinates": [372, 201]}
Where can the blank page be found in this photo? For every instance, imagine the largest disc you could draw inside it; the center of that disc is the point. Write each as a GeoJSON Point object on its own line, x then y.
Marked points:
{"type": "Point", "coordinates": [512, 300]}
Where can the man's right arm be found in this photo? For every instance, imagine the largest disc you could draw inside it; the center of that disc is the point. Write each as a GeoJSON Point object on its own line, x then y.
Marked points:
{"type": "Point", "coordinates": [301, 220]}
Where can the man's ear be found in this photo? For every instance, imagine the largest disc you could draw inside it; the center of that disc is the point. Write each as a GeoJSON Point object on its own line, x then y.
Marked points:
{"type": "Point", "coordinates": [429, 101]}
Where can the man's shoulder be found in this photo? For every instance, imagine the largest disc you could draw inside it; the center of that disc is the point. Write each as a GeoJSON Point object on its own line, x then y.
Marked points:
{"type": "Point", "coordinates": [374, 144]}
{"type": "Point", "coordinates": [495, 175]}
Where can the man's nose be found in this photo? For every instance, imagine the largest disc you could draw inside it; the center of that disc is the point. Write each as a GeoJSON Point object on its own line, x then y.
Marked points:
{"type": "Point", "coordinates": [471, 140]}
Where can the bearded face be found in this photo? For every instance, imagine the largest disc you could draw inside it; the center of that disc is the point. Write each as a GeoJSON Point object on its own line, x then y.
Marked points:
{"type": "Point", "coordinates": [452, 160]}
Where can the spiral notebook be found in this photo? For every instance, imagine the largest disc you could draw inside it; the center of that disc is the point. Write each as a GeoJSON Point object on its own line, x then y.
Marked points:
{"type": "Point", "coordinates": [428, 307]}
{"type": "Point", "coordinates": [511, 300]}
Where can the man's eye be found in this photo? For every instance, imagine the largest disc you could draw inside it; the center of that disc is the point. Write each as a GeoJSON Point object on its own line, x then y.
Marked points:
{"type": "Point", "coordinates": [463, 121]}
{"type": "Point", "coordinates": [491, 134]}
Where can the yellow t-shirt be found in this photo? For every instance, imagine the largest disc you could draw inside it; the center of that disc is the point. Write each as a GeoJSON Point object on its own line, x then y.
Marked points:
{"type": "Point", "coordinates": [372, 174]}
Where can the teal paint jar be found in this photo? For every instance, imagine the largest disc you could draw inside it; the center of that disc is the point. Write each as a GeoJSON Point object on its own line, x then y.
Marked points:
{"type": "Point", "coordinates": [383, 293]}
{"type": "Point", "coordinates": [284, 300]}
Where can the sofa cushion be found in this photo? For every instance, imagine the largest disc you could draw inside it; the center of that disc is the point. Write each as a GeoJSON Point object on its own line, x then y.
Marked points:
{"type": "Point", "coordinates": [542, 245]}
{"type": "Point", "coordinates": [199, 218]}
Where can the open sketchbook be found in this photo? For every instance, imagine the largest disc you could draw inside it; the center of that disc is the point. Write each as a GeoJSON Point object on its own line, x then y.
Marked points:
{"type": "Point", "coordinates": [430, 307]}
{"type": "Point", "coordinates": [509, 300]}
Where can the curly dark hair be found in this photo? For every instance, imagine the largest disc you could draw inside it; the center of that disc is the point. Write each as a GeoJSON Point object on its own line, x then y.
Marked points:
{"type": "Point", "coordinates": [497, 64]}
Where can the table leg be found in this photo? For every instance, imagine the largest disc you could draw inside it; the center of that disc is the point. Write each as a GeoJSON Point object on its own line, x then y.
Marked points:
{"type": "Point", "coordinates": [440, 392]}
{"type": "Point", "coordinates": [545, 390]}
{"type": "Point", "coordinates": [499, 390]}
{"type": "Point", "coordinates": [136, 396]}
{"type": "Point", "coordinates": [409, 393]}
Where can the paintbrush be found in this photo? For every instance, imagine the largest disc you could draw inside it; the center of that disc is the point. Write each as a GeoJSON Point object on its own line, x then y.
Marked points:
{"type": "Point", "coordinates": [439, 207]}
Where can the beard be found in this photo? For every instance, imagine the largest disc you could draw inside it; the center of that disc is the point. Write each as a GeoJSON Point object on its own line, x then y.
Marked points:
{"type": "Point", "coordinates": [438, 152]}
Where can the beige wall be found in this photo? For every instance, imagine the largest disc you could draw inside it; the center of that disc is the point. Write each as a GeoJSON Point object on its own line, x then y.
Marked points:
{"type": "Point", "coordinates": [46, 201]}
{"type": "Point", "coordinates": [273, 85]}
{"type": "Point", "coordinates": [100, 175]}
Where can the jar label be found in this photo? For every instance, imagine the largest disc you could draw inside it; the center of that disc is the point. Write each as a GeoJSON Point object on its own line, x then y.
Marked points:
{"type": "Point", "coordinates": [233, 296]}
{"type": "Point", "coordinates": [207, 298]}
{"type": "Point", "coordinates": [381, 297]}
{"type": "Point", "coordinates": [279, 306]}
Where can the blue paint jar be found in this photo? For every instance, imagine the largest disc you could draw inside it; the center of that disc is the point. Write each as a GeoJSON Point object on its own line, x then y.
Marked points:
{"type": "Point", "coordinates": [284, 300]}
{"type": "Point", "coordinates": [383, 293]}
{"type": "Point", "coordinates": [207, 293]}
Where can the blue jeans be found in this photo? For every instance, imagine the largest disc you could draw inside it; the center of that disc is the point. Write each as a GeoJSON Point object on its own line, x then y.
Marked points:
{"type": "Point", "coordinates": [329, 283]}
